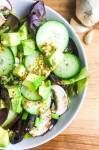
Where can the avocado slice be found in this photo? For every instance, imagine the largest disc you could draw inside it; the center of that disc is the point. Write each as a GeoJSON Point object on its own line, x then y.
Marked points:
{"type": "Point", "coordinates": [4, 138]}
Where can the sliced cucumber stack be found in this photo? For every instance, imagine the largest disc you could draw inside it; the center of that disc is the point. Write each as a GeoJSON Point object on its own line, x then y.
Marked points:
{"type": "Point", "coordinates": [52, 36]}
{"type": "Point", "coordinates": [6, 61]}
{"type": "Point", "coordinates": [68, 67]}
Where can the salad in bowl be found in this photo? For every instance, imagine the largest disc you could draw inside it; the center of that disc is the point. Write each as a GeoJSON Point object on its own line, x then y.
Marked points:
{"type": "Point", "coordinates": [40, 71]}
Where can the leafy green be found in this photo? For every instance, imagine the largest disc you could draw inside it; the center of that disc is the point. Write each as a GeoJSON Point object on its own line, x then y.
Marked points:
{"type": "Point", "coordinates": [81, 85]}
{"type": "Point", "coordinates": [45, 90]}
{"type": "Point", "coordinates": [76, 87]}
{"type": "Point", "coordinates": [76, 84]}
{"type": "Point", "coordinates": [82, 75]}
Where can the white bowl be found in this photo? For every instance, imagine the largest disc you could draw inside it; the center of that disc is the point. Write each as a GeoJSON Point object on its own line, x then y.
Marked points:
{"type": "Point", "coordinates": [21, 7]}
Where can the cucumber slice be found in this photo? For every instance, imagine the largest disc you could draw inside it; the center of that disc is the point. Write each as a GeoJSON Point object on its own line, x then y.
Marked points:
{"type": "Point", "coordinates": [30, 94]}
{"type": "Point", "coordinates": [52, 36]}
{"type": "Point", "coordinates": [68, 67]}
{"type": "Point", "coordinates": [6, 61]}
{"type": "Point", "coordinates": [31, 107]}
{"type": "Point", "coordinates": [30, 61]}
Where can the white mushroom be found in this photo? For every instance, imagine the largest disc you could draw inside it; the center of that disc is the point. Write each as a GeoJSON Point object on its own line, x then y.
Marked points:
{"type": "Point", "coordinates": [61, 99]}
{"type": "Point", "coordinates": [78, 27]}
{"type": "Point", "coordinates": [87, 11]}
{"type": "Point", "coordinates": [44, 126]}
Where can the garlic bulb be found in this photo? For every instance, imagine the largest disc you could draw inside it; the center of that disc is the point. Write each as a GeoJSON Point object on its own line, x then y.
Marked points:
{"type": "Point", "coordinates": [87, 11]}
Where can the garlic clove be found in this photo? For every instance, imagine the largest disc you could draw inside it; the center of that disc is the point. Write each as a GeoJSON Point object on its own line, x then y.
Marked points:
{"type": "Point", "coordinates": [88, 37]}
{"type": "Point", "coordinates": [78, 27]}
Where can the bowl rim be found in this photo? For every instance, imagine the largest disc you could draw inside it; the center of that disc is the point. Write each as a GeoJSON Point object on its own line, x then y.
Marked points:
{"type": "Point", "coordinates": [85, 90]}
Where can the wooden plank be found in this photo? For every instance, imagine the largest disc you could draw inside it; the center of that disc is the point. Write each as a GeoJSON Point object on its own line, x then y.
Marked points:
{"type": "Point", "coordinates": [72, 142]}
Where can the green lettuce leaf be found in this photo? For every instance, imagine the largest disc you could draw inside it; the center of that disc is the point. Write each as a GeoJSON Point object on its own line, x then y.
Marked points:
{"type": "Point", "coordinates": [81, 85]}
{"type": "Point", "coordinates": [82, 75]}
{"type": "Point", "coordinates": [76, 84]}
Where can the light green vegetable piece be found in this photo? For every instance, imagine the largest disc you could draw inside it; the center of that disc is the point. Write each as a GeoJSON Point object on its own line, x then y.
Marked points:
{"type": "Point", "coordinates": [28, 46]}
{"type": "Point", "coordinates": [45, 105]}
{"type": "Point", "coordinates": [4, 138]}
{"type": "Point", "coordinates": [16, 104]}
{"type": "Point", "coordinates": [56, 58]}
{"type": "Point", "coordinates": [35, 80]}
{"type": "Point", "coordinates": [30, 93]}
{"type": "Point", "coordinates": [19, 70]}
{"type": "Point", "coordinates": [81, 85]}
{"type": "Point", "coordinates": [2, 104]}
{"type": "Point", "coordinates": [32, 107]}
{"type": "Point", "coordinates": [23, 32]}
{"type": "Point", "coordinates": [14, 50]}
{"type": "Point", "coordinates": [82, 75]}
{"type": "Point", "coordinates": [27, 136]}
{"type": "Point", "coordinates": [16, 98]}
{"type": "Point", "coordinates": [45, 90]}
{"type": "Point", "coordinates": [55, 116]}
{"type": "Point", "coordinates": [10, 39]}
{"type": "Point", "coordinates": [14, 91]}
{"type": "Point", "coordinates": [25, 115]}
{"type": "Point", "coordinates": [38, 121]}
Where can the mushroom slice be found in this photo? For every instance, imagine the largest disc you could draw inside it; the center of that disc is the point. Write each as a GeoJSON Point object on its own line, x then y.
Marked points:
{"type": "Point", "coordinates": [61, 99]}
{"type": "Point", "coordinates": [44, 126]}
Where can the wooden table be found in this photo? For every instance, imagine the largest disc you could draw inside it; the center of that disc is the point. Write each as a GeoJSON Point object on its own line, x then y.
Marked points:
{"type": "Point", "coordinates": [83, 133]}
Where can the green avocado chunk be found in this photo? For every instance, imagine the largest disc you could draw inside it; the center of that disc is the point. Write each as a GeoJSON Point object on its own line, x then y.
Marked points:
{"type": "Point", "coordinates": [4, 138]}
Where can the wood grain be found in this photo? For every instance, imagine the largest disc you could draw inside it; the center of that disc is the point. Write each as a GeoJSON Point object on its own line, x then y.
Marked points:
{"type": "Point", "coordinates": [83, 133]}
